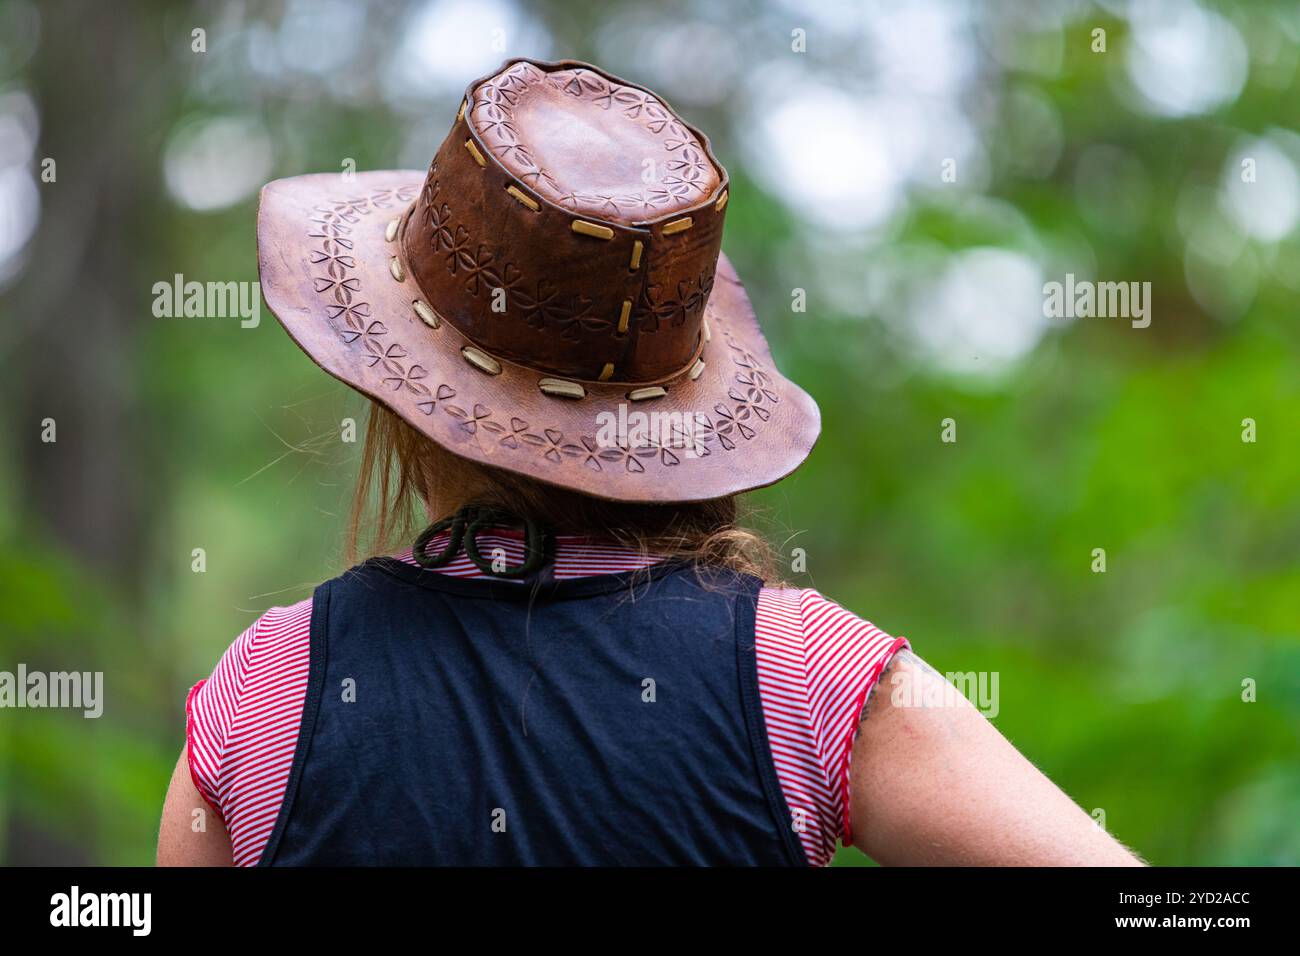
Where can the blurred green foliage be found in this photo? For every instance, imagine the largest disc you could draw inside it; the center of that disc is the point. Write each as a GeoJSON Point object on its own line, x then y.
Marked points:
{"type": "Point", "coordinates": [1125, 687]}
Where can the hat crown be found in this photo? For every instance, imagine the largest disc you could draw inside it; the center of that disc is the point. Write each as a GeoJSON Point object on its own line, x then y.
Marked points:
{"type": "Point", "coordinates": [571, 222]}
{"type": "Point", "coordinates": [625, 157]}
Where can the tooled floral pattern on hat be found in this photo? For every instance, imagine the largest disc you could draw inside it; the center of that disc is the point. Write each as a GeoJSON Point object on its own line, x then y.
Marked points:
{"type": "Point", "coordinates": [335, 278]}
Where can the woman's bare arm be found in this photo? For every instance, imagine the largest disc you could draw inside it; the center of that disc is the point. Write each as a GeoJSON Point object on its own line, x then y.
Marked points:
{"type": "Point", "coordinates": [180, 843]}
{"type": "Point", "coordinates": [939, 785]}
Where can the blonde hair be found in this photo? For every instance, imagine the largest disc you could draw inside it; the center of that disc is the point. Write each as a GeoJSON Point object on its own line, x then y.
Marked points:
{"type": "Point", "coordinates": [407, 480]}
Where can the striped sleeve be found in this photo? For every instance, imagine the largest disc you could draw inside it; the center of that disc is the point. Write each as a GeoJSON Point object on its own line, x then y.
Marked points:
{"type": "Point", "coordinates": [242, 725]}
{"type": "Point", "coordinates": [209, 711]}
{"type": "Point", "coordinates": [816, 664]}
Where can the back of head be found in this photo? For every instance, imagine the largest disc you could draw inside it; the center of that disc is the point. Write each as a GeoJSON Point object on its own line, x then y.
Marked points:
{"type": "Point", "coordinates": [407, 481]}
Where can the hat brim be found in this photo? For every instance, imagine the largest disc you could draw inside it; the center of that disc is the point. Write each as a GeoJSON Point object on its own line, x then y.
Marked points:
{"type": "Point", "coordinates": [325, 266]}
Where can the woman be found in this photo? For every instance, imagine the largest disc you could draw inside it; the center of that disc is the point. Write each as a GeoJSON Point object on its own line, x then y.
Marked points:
{"type": "Point", "coordinates": [578, 661]}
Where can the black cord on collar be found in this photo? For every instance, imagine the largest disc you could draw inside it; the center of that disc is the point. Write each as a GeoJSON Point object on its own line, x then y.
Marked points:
{"type": "Point", "coordinates": [465, 526]}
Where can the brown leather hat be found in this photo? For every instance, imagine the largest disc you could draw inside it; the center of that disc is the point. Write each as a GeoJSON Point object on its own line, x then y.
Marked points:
{"type": "Point", "coordinates": [550, 298]}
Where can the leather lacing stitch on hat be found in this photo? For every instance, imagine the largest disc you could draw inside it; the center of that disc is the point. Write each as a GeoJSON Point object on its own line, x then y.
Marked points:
{"type": "Point", "coordinates": [464, 527]}
{"type": "Point", "coordinates": [555, 387]}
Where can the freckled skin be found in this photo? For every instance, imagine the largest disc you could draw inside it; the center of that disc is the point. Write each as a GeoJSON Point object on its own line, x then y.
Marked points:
{"type": "Point", "coordinates": [930, 786]}
{"type": "Point", "coordinates": [178, 844]}
{"type": "Point", "coordinates": [941, 786]}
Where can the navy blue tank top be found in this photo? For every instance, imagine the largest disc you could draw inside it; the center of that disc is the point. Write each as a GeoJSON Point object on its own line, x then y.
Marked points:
{"type": "Point", "coordinates": [607, 720]}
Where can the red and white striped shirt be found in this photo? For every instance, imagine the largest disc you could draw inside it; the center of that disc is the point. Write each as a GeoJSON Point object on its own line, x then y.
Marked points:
{"type": "Point", "coordinates": [816, 664]}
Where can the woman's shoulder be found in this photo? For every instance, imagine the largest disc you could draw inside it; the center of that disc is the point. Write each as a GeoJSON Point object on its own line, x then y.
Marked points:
{"type": "Point", "coordinates": [807, 615]}
{"type": "Point", "coordinates": [834, 646]}
{"type": "Point", "coordinates": [270, 644]}
{"type": "Point", "coordinates": [817, 662]}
